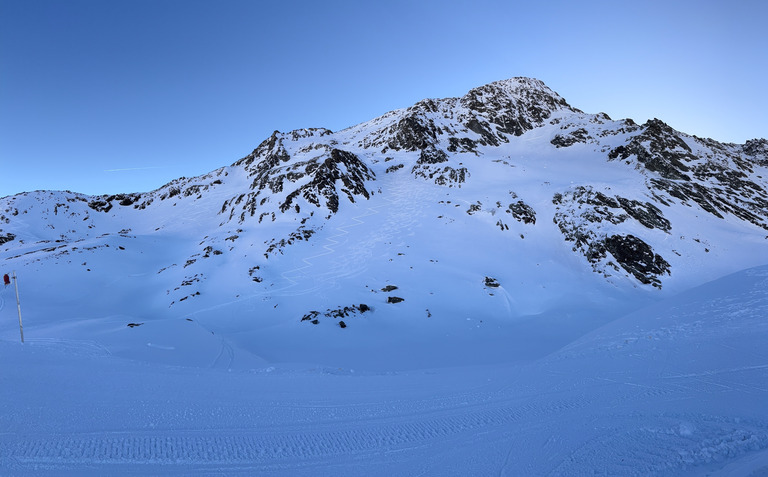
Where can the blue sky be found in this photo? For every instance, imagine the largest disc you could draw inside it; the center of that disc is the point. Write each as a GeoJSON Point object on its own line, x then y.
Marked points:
{"type": "Point", "coordinates": [124, 96]}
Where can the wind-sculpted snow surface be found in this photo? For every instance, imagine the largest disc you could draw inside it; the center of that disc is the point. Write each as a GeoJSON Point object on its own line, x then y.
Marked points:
{"type": "Point", "coordinates": [677, 388]}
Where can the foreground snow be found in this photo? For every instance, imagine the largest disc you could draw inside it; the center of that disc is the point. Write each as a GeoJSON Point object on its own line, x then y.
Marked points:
{"type": "Point", "coordinates": [676, 388]}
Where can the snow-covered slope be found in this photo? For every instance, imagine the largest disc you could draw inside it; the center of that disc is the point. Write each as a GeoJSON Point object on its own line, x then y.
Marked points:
{"type": "Point", "coordinates": [484, 238]}
{"type": "Point", "coordinates": [676, 389]}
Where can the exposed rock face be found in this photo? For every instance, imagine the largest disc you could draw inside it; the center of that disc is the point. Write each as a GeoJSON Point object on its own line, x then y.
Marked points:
{"type": "Point", "coordinates": [4, 238]}
{"type": "Point", "coordinates": [659, 149]}
{"type": "Point", "coordinates": [429, 166]}
{"type": "Point", "coordinates": [522, 212]}
{"type": "Point", "coordinates": [106, 202]}
{"type": "Point", "coordinates": [586, 217]}
{"type": "Point", "coordinates": [341, 166]}
{"type": "Point", "coordinates": [486, 116]}
{"type": "Point", "coordinates": [510, 107]}
{"type": "Point", "coordinates": [318, 173]}
{"type": "Point", "coordinates": [445, 176]}
{"type": "Point", "coordinates": [413, 133]}
{"type": "Point", "coordinates": [349, 311]}
{"type": "Point", "coordinates": [637, 257]}
{"type": "Point", "coordinates": [600, 207]}
{"type": "Point", "coordinates": [276, 246]}
{"type": "Point", "coordinates": [580, 135]}
{"type": "Point", "coordinates": [758, 149]}
{"type": "Point", "coordinates": [715, 177]}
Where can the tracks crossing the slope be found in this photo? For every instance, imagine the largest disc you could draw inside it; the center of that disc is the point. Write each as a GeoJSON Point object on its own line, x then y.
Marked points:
{"type": "Point", "coordinates": [254, 447]}
{"type": "Point", "coordinates": [617, 411]}
{"type": "Point", "coordinates": [404, 202]}
{"type": "Point", "coordinates": [370, 431]}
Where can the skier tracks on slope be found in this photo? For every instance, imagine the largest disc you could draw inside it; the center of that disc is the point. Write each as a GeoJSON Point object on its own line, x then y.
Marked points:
{"type": "Point", "coordinates": [70, 347]}
{"type": "Point", "coordinates": [331, 242]}
{"type": "Point", "coordinates": [226, 354]}
{"type": "Point", "coordinates": [664, 445]}
{"type": "Point", "coordinates": [239, 447]}
{"type": "Point", "coordinates": [404, 200]}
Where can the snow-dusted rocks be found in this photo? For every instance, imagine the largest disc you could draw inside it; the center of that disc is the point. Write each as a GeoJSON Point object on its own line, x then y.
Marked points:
{"type": "Point", "coordinates": [592, 220]}
{"type": "Point", "coordinates": [310, 172]}
{"type": "Point", "coordinates": [714, 176]}
{"type": "Point", "coordinates": [510, 108]}
{"type": "Point", "coordinates": [758, 149]}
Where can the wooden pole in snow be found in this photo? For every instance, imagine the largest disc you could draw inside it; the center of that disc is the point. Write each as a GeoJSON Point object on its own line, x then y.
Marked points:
{"type": "Point", "coordinates": [18, 305]}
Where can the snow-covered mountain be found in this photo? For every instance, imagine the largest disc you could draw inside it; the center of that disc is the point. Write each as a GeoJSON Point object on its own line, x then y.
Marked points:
{"type": "Point", "coordinates": [503, 204]}
{"type": "Point", "coordinates": [497, 284]}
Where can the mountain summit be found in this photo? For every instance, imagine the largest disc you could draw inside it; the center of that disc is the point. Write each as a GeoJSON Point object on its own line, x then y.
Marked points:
{"type": "Point", "coordinates": [457, 215]}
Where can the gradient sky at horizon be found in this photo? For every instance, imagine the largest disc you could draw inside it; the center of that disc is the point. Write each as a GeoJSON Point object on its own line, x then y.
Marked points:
{"type": "Point", "coordinates": [125, 95]}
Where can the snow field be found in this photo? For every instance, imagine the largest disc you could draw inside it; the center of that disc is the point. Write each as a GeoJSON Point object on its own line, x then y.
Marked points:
{"type": "Point", "coordinates": [675, 389]}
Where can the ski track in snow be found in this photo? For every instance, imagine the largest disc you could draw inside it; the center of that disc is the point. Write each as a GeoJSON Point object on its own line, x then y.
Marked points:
{"type": "Point", "coordinates": [226, 356]}
{"type": "Point", "coordinates": [404, 203]}
{"type": "Point", "coordinates": [70, 347]}
{"type": "Point", "coordinates": [243, 447]}
{"type": "Point", "coordinates": [324, 279]}
{"type": "Point", "coordinates": [666, 444]}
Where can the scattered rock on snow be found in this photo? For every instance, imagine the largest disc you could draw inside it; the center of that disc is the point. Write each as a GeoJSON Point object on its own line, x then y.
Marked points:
{"type": "Point", "coordinates": [345, 312]}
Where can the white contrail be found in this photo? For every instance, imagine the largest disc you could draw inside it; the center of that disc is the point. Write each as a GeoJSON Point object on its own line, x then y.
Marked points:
{"type": "Point", "coordinates": [132, 169]}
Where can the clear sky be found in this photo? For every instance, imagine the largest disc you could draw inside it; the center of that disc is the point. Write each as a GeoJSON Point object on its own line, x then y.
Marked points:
{"type": "Point", "coordinates": [108, 96]}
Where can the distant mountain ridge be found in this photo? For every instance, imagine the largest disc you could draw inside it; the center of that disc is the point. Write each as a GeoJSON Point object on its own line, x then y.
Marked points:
{"type": "Point", "coordinates": [637, 204]}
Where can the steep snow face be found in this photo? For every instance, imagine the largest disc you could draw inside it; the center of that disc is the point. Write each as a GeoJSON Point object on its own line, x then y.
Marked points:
{"type": "Point", "coordinates": [466, 218]}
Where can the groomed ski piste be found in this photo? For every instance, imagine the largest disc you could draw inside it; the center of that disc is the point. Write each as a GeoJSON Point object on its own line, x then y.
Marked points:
{"type": "Point", "coordinates": [677, 388]}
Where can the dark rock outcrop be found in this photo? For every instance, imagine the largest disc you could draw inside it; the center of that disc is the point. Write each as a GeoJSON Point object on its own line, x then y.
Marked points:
{"type": "Point", "coordinates": [580, 135]}
{"type": "Point", "coordinates": [660, 149]}
{"type": "Point", "coordinates": [581, 217]}
{"type": "Point", "coordinates": [343, 312]}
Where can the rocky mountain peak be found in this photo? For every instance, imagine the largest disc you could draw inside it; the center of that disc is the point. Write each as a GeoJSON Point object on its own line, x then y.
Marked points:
{"type": "Point", "coordinates": [489, 115]}
{"type": "Point", "coordinates": [519, 96]}
{"type": "Point", "coordinates": [511, 107]}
